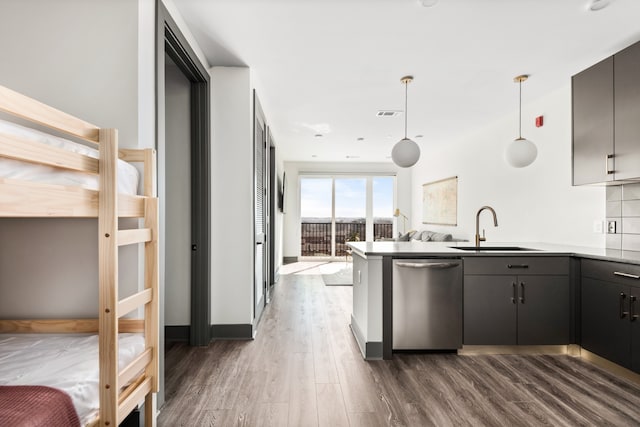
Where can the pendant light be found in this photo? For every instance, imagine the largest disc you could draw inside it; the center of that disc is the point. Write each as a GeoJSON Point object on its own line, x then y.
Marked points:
{"type": "Point", "coordinates": [406, 152]}
{"type": "Point", "coordinates": [521, 152]}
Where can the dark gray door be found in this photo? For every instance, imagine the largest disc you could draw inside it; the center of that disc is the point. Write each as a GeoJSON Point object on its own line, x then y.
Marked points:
{"type": "Point", "coordinates": [593, 124]}
{"type": "Point", "coordinates": [605, 326]}
{"type": "Point", "coordinates": [490, 310]}
{"type": "Point", "coordinates": [271, 265]}
{"type": "Point", "coordinates": [627, 112]}
{"type": "Point", "coordinates": [543, 310]}
{"type": "Point", "coordinates": [260, 209]}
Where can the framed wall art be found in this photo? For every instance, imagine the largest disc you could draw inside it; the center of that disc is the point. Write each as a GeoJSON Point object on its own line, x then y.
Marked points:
{"type": "Point", "coordinates": [440, 202]}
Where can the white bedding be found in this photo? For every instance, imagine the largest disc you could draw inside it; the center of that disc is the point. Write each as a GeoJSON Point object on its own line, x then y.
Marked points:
{"type": "Point", "coordinates": [14, 169]}
{"type": "Point", "coordinates": [68, 363]}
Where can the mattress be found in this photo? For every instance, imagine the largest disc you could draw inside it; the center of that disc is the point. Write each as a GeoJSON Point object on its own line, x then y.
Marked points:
{"type": "Point", "coordinates": [66, 362]}
{"type": "Point", "coordinates": [128, 175]}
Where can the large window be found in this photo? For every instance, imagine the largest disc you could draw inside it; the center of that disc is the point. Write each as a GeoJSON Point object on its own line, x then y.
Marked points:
{"type": "Point", "coordinates": [336, 210]}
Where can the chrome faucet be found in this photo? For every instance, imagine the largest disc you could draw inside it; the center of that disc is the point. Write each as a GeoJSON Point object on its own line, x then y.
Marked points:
{"type": "Point", "coordinates": [495, 224]}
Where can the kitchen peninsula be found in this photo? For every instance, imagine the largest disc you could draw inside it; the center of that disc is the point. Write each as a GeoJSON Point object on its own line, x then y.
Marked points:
{"type": "Point", "coordinates": [372, 287]}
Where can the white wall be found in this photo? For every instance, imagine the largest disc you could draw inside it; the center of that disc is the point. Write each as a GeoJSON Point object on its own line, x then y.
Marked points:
{"type": "Point", "coordinates": [67, 54]}
{"type": "Point", "coordinates": [232, 239]}
{"type": "Point", "coordinates": [177, 265]}
{"type": "Point", "coordinates": [291, 222]}
{"type": "Point", "coordinates": [533, 204]}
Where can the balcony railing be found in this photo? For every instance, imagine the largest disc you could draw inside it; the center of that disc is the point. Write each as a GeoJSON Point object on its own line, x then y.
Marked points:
{"type": "Point", "coordinates": [316, 236]}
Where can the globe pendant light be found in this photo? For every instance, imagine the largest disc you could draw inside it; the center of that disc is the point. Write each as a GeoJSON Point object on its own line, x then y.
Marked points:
{"type": "Point", "coordinates": [521, 152]}
{"type": "Point", "coordinates": [406, 152]}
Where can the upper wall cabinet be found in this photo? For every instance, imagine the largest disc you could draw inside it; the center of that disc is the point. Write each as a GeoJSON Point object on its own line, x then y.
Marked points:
{"type": "Point", "coordinates": [606, 120]}
{"type": "Point", "coordinates": [592, 96]}
{"type": "Point", "coordinates": [626, 80]}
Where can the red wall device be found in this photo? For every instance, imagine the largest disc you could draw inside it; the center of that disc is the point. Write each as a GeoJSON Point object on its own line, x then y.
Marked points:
{"type": "Point", "coordinates": [539, 121]}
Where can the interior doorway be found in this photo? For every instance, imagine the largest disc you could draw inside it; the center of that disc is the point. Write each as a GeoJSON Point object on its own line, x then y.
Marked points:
{"type": "Point", "coordinates": [192, 167]}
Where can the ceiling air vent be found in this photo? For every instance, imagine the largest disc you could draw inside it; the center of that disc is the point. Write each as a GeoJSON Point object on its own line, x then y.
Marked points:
{"type": "Point", "coordinates": [388, 113]}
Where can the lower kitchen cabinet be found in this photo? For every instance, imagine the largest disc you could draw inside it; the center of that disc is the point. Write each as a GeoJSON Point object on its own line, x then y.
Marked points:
{"type": "Point", "coordinates": [489, 313]}
{"type": "Point", "coordinates": [516, 310]}
{"type": "Point", "coordinates": [516, 301]}
{"type": "Point", "coordinates": [543, 310]}
{"type": "Point", "coordinates": [604, 332]}
{"type": "Point", "coordinates": [610, 308]}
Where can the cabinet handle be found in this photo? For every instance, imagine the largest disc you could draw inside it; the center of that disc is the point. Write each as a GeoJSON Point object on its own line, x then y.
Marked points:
{"type": "Point", "coordinates": [632, 308]}
{"type": "Point", "coordinates": [622, 313]}
{"type": "Point", "coordinates": [514, 295]}
{"type": "Point", "coordinates": [517, 266]}
{"type": "Point", "coordinates": [428, 265]}
{"type": "Point", "coordinates": [606, 164]}
{"type": "Point", "coordinates": [521, 292]}
{"type": "Point", "coordinates": [630, 276]}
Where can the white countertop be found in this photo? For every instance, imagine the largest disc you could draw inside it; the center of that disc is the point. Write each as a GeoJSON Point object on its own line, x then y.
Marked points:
{"type": "Point", "coordinates": [446, 249]}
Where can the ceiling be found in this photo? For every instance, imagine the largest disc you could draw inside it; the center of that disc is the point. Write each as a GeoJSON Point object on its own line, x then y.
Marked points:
{"type": "Point", "coordinates": [327, 66]}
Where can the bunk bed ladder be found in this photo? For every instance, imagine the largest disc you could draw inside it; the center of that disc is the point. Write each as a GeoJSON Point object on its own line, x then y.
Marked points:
{"type": "Point", "coordinates": [115, 406]}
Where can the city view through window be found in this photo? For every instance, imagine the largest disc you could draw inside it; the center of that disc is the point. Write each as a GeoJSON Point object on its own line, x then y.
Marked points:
{"type": "Point", "coordinates": [318, 203]}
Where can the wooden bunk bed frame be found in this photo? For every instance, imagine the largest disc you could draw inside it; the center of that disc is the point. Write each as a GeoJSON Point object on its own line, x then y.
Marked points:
{"type": "Point", "coordinates": [30, 199]}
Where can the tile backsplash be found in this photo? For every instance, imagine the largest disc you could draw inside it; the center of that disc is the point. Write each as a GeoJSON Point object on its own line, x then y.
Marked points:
{"type": "Point", "coordinates": [623, 207]}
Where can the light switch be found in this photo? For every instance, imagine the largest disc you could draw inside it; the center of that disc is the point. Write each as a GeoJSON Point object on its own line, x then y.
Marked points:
{"type": "Point", "coordinates": [611, 227]}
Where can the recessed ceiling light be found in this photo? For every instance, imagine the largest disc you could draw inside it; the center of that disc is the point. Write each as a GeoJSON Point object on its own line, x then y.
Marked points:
{"type": "Point", "coordinates": [428, 3]}
{"type": "Point", "coordinates": [318, 135]}
{"type": "Point", "coordinates": [360, 139]}
{"type": "Point", "coordinates": [596, 5]}
{"type": "Point", "coordinates": [419, 136]}
{"type": "Point", "coordinates": [388, 113]}
{"type": "Point", "coordinates": [314, 155]}
{"type": "Point", "coordinates": [352, 157]}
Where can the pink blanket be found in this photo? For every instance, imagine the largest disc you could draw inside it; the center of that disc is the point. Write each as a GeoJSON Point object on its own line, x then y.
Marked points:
{"type": "Point", "coordinates": [36, 406]}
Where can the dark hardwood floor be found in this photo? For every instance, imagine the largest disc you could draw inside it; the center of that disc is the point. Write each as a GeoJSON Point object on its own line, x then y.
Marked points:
{"type": "Point", "coordinates": [304, 369]}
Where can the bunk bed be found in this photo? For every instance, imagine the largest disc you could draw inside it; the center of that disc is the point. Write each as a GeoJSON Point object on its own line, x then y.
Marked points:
{"type": "Point", "coordinates": [123, 382]}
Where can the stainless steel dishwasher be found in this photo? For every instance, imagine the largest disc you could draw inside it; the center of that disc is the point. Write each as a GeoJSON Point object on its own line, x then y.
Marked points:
{"type": "Point", "coordinates": [427, 304]}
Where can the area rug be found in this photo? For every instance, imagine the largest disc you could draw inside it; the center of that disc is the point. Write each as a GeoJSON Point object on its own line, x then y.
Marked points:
{"type": "Point", "coordinates": [342, 277]}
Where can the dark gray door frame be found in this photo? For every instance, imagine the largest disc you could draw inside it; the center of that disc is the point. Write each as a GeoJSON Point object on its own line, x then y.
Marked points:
{"type": "Point", "coordinates": [171, 41]}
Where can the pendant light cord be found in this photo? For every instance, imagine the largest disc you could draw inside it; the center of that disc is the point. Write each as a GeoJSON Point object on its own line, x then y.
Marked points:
{"type": "Point", "coordinates": [406, 91]}
{"type": "Point", "coordinates": [520, 113]}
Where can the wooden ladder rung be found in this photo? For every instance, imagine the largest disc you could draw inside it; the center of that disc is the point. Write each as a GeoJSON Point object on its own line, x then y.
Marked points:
{"type": "Point", "coordinates": [134, 368]}
{"type": "Point", "coordinates": [129, 304]}
{"type": "Point", "coordinates": [134, 395]}
{"type": "Point", "coordinates": [130, 237]}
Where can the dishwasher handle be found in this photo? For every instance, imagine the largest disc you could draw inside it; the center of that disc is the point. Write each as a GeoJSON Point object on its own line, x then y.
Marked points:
{"type": "Point", "coordinates": [440, 265]}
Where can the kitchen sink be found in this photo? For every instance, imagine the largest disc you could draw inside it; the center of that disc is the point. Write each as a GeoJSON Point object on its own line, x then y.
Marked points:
{"type": "Point", "coordinates": [492, 248]}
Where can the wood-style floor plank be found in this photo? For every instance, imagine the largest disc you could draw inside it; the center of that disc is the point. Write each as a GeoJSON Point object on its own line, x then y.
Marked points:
{"type": "Point", "coordinates": [305, 369]}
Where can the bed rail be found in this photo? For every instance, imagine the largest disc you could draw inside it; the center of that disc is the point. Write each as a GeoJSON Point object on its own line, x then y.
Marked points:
{"type": "Point", "coordinates": [27, 108]}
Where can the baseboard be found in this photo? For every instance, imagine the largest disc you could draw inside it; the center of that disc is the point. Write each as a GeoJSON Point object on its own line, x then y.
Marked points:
{"type": "Point", "coordinates": [370, 350]}
{"type": "Point", "coordinates": [232, 332]}
{"type": "Point", "coordinates": [373, 350]}
{"type": "Point", "coordinates": [289, 260]}
{"type": "Point", "coordinates": [176, 333]}
{"type": "Point", "coordinates": [609, 366]}
{"type": "Point", "coordinates": [513, 349]}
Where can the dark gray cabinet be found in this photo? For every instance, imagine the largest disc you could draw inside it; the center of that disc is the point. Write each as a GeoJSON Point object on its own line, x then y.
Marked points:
{"type": "Point", "coordinates": [592, 100]}
{"type": "Point", "coordinates": [489, 312]}
{"type": "Point", "coordinates": [516, 300]}
{"type": "Point", "coordinates": [610, 308]}
{"type": "Point", "coordinates": [627, 112]}
{"type": "Point", "coordinates": [606, 120]}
